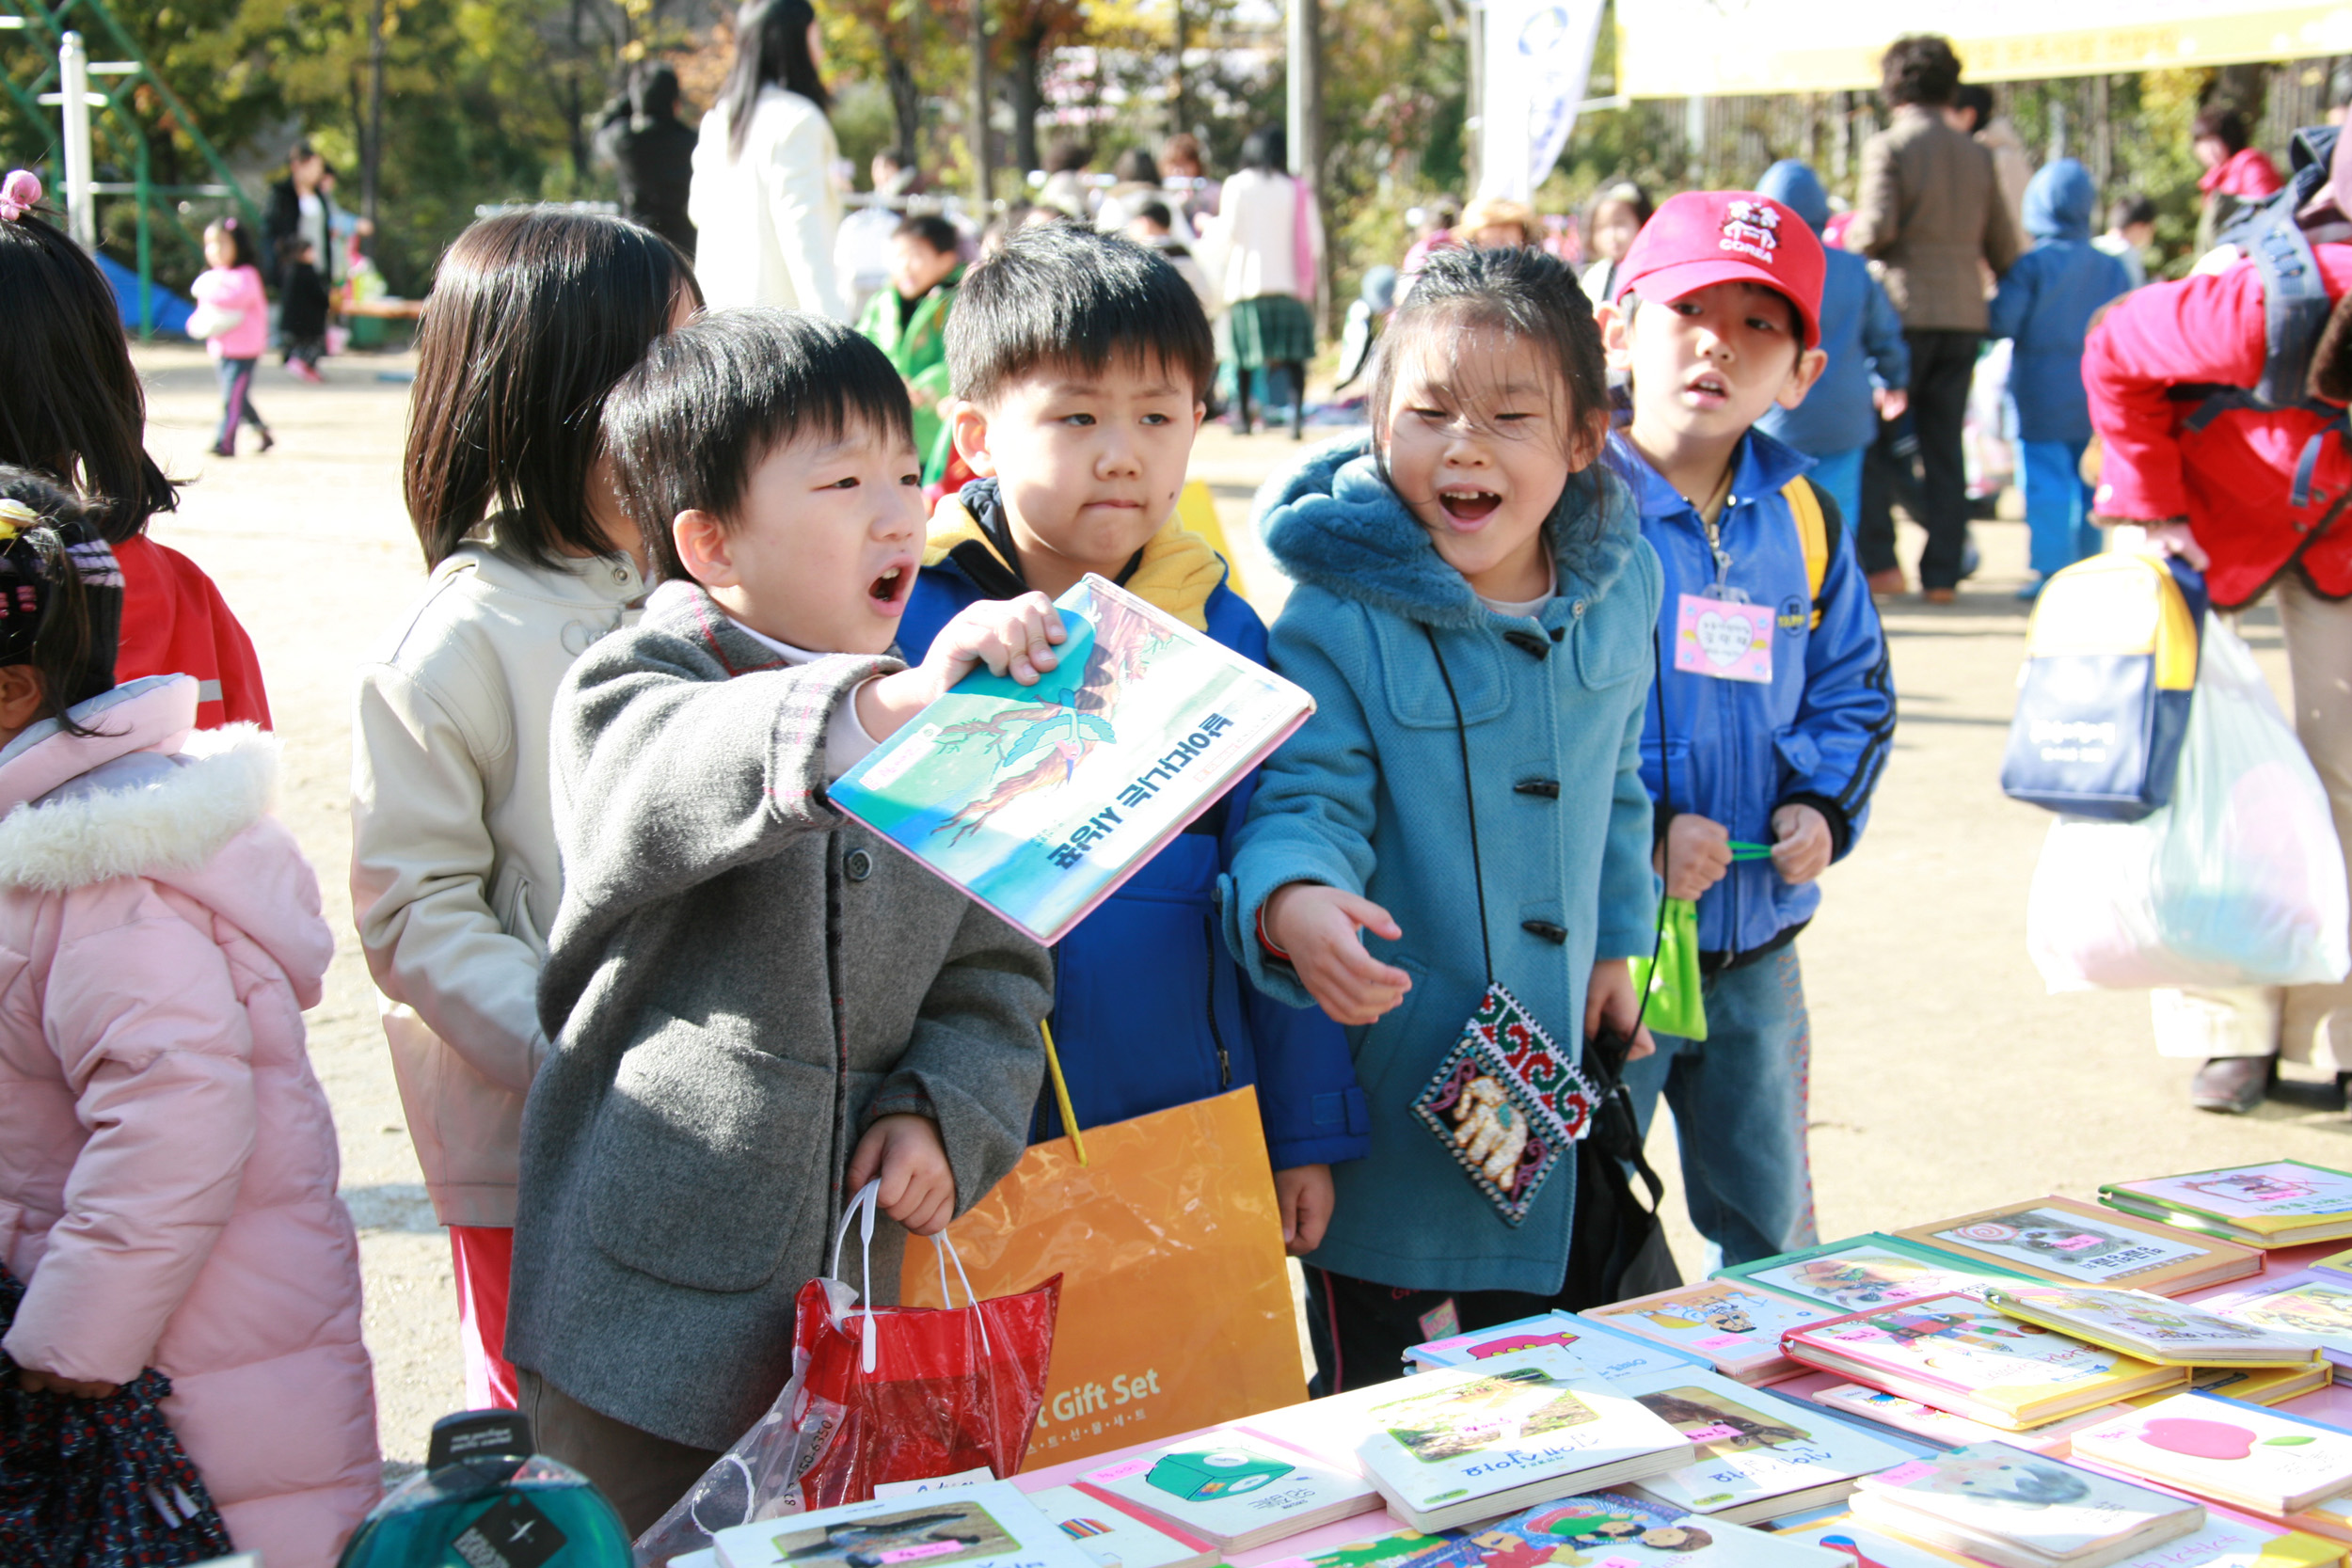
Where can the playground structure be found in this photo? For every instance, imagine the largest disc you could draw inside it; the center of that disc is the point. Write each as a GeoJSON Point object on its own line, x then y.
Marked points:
{"type": "Point", "coordinates": [101, 96]}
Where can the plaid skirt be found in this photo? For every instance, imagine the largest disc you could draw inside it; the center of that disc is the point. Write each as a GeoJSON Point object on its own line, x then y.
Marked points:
{"type": "Point", "coordinates": [1271, 329]}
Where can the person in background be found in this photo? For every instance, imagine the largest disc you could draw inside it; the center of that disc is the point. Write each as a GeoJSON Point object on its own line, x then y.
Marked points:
{"type": "Point", "coordinates": [1436, 223]}
{"type": "Point", "coordinates": [2130, 229]}
{"type": "Point", "coordinates": [1610, 223]}
{"type": "Point", "coordinates": [2045, 305]}
{"type": "Point", "coordinates": [1139, 181]}
{"type": "Point", "coordinates": [1868, 364]}
{"type": "Point", "coordinates": [652, 154]}
{"type": "Point", "coordinates": [302, 307]}
{"type": "Point", "coordinates": [908, 322]}
{"type": "Point", "coordinates": [1067, 189]}
{"type": "Point", "coordinates": [304, 203]}
{"type": "Point", "coordinates": [862, 248]}
{"type": "Point", "coordinates": [1186, 177]}
{"type": "Point", "coordinates": [1264, 250]}
{"type": "Point", "coordinates": [229, 293]}
{"type": "Point", "coordinates": [763, 202]}
{"type": "Point", "coordinates": [1153, 227]}
{"type": "Point", "coordinates": [1495, 222]}
{"type": "Point", "coordinates": [1931, 211]}
{"type": "Point", "coordinates": [1972, 113]}
{"type": "Point", "coordinates": [2236, 175]}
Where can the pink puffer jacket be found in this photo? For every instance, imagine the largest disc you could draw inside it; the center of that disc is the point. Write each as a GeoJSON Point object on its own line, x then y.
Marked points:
{"type": "Point", "coordinates": [167, 1163]}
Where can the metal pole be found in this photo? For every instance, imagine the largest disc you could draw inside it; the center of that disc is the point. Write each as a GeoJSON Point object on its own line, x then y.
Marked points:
{"type": "Point", "coordinates": [371, 160]}
{"type": "Point", "coordinates": [1474, 111]}
{"type": "Point", "coordinates": [977, 137]}
{"type": "Point", "coordinates": [1304, 137]}
{"type": "Point", "coordinates": [146, 245]}
{"type": "Point", "coordinates": [1694, 136]}
{"type": "Point", "coordinates": [73, 83]}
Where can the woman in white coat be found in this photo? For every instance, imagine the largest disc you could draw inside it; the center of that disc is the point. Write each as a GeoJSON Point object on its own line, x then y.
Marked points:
{"type": "Point", "coordinates": [1263, 251]}
{"type": "Point", "coordinates": [763, 201]}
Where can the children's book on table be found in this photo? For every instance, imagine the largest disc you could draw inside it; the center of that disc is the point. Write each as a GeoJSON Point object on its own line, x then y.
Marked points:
{"type": "Point", "coordinates": [1863, 1271]}
{"type": "Point", "coordinates": [991, 1524]}
{"type": "Point", "coordinates": [1943, 1430]}
{"type": "Point", "coordinates": [2274, 1204]}
{"type": "Point", "coordinates": [2255, 1384]}
{"type": "Point", "coordinates": [2004, 1506]}
{"type": "Point", "coordinates": [1609, 1351]}
{"type": "Point", "coordinates": [2227, 1450]}
{"type": "Point", "coordinates": [2315, 1303]}
{"type": "Point", "coordinates": [1039, 801]}
{"type": "Point", "coordinates": [1736, 1325]}
{"type": "Point", "coordinates": [2152, 1327]}
{"type": "Point", "coordinates": [1114, 1535]}
{"type": "Point", "coordinates": [1233, 1489]}
{"type": "Point", "coordinates": [1613, 1528]}
{"type": "Point", "coordinates": [2066, 1242]}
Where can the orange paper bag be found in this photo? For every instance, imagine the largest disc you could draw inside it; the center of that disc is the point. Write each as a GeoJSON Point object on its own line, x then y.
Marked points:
{"type": "Point", "coordinates": [1175, 1302]}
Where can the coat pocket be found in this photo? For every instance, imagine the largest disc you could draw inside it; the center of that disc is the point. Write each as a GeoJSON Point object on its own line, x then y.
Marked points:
{"type": "Point", "coordinates": [707, 1162]}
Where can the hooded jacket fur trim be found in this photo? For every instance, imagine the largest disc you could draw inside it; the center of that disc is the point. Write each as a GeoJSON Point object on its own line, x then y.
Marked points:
{"type": "Point", "coordinates": [162, 818]}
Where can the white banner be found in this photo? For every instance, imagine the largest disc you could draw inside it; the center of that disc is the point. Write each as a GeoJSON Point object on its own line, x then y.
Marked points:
{"type": "Point", "coordinates": [1538, 54]}
{"type": "Point", "coordinates": [1680, 48]}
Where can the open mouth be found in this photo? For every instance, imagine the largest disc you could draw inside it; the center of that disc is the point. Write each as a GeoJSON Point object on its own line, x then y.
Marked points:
{"type": "Point", "coordinates": [1708, 386]}
{"type": "Point", "coordinates": [888, 586]}
{"type": "Point", "coordinates": [1469, 506]}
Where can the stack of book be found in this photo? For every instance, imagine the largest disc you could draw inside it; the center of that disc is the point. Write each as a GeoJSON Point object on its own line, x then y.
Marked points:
{"type": "Point", "coordinates": [1595, 1527]}
{"type": "Point", "coordinates": [2169, 1333]}
{"type": "Point", "coordinates": [1910, 1417]}
{"type": "Point", "coordinates": [2004, 1506]}
{"type": "Point", "coordinates": [1233, 1488]}
{"type": "Point", "coordinates": [1760, 1457]}
{"type": "Point", "coordinates": [2315, 1304]}
{"type": "Point", "coordinates": [2277, 1203]}
{"type": "Point", "coordinates": [1735, 1325]}
{"type": "Point", "coordinates": [2068, 1242]}
{"type": "Point", "coordinates": [1609, 1351]}
{"type": "Point", "coordinates": [1863, 1271]}
{"type": "Point", "coordinates": [2234, 1453]}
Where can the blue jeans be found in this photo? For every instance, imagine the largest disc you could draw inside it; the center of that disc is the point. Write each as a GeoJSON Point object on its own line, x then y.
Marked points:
{"type": "Point", "coordinates": [2057, 504]}
{"type": "Point", "coordinates": [1840, 474]}
{"type": "Point", "coordinates": [236, 401]}
{"type": "Point", "coordinates": [1739, 1100]}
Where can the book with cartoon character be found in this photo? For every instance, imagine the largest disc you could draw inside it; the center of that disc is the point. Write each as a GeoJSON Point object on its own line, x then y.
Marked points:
{"type": "Point", "coordinates": [2019, 1510]}
{"type": "Point", "coordinates": [2233, 1453]}
{"type": "Point", "coordinates": [2276, 1203]}
{"type": "Point", "coordinates": [1595, 1530]}
{"type": "Point", "coordinates": [2068, 1242]}
{"type": "Point", "coordinates": [1737, 1326]}
{"type": "Point", "coordinates": [2222, 1544]}
{"type": "Point", "coordinates": [1233, 1488]}
{"type": "Point", "coordinates": [1039, 801]}
{"type": "Point", "coordinates": [2313, 1303]}
{"type": "Point", "coordinates": [1117, 1536]}
{"type": "Point", "coordinates": [1863, 1271]}
{"type": "Point", "coordinates": [1760, 1457]}
{"type": "Point", "coordinates": [1958, 1355]}
{"type": "Point", "coordinates": [1868, 1546]}
{"type": "Point", "coordinates": [990, 1525]}
{"type": "Point", "coordinates": [1909, 1418]}
{"type": "Point", "coordinates": [2152, 1328]}
{"type": "Point", "coordinates": [1609, 1351]}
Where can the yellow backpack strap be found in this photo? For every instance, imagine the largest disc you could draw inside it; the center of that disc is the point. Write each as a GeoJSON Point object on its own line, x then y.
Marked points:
{"type": "Point", "coordinates": [1812, 536]}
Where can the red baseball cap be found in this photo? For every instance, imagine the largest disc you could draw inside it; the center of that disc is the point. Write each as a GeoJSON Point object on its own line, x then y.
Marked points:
{"type": "Point", "coordinates": [1703, 237]}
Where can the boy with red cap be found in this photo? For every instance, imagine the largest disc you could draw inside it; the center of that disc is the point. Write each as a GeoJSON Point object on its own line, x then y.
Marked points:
{"type": "Point", "coordinates": [1775, 710]}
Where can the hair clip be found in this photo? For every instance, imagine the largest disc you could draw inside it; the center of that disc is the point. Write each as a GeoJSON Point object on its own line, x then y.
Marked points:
{"type": "Point", "coordinates": [20, 193]}
{"type": "Point", "coordinates": [15, 517]}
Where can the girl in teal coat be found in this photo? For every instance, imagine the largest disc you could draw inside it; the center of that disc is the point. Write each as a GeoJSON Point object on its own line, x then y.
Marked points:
{"type": "Point", "coordinates": [1472, 614]}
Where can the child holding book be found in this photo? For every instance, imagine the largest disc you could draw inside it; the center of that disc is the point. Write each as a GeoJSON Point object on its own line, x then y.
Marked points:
{"type": "Point", "coordinates": [1775, 735]}
{"type": "Point", "coordinates": [756, 1005]}
{"type": "Point", "coordinates": [1083, 365]}
{"type": "Point", "coordinates": [1465, 808]}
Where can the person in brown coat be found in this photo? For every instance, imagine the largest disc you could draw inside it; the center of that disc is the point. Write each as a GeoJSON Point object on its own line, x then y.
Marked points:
{"type": "Point", "coordinates": [1930, 210]}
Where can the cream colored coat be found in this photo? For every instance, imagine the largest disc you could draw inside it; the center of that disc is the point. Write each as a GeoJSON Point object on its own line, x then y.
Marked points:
{"type": "Point", "coordinates": [1250, 247]}
{"type": "Point", "coordinates": [454, 876]}
{"type": "Point", "coordinates": [764, 222]}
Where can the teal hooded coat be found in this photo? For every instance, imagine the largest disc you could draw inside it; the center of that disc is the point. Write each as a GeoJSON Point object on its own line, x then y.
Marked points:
{"type": "Point", "coordinates": [1368, 796]}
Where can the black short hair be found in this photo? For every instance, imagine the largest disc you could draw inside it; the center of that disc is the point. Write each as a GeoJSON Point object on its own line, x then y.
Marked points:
{"type": "Point", "coordinates": [2128, 210]}
{"type": "Point", "coordinates": [1059, 295]}
{"type": "Point", "coordinates": [1978, 99]}
{"type": "Point", "coordinates": [709, 401]}
{"type": "Point", "coordinates": [1919, 68]}
{"type": "Point", "coordinates": [2224, 124]}
{"type": "Point", "coordinates": [934, 230]}
{"type": "Point", "coordinates": [243, 252]}
{"type": "Point", "coordinates": [1156, 211]}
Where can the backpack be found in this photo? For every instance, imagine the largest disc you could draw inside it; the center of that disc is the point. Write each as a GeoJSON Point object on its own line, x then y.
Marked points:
{"type": "Point", "coordinates": [1813, 537]}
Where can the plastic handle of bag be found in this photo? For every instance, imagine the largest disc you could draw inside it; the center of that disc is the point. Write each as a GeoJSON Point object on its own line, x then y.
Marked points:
{"type": "Point", "coordinates": [1061, 1100]}
{"type": "Point", "coordinates": [943, 1250]}
{"type": "Point", "coordinates": [868, 1199]}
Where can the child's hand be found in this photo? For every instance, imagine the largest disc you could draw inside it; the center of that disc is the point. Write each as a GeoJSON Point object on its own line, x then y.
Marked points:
{"type": "Point", "coordinates": [34, 1380]}
{"type": "Point", "coordinates": [1697, 855]}
{"type": "Point", "coordinates": [1800, 843]}
{"type": "Point", "coordinates": [1893, 402]}
{"type": "Point", "coordinates": [1013, 636]}
{"type": "Point", "coordinates": [1316, 926]}
{"type": "Point", "coordinates": [1611, 999]}
{"type": "Point", "coordinates": [1302, 1195]}
{"type": "Point", "coordinates": [917, 1188]}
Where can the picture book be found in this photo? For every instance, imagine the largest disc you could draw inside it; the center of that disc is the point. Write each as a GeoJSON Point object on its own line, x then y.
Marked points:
{"type": "Point", "coordinates": [1868, 1546]}
{"type": "Point", "coordinates": [1039, 801]}
{"type": "Point", "coordinates": [988, 1526]}
{"type": "Point", "coordinates": [1116, 1536]}
{"type": "Point", "coordinates": [2254, 1384]}
{"type": "Point", "coordinates": [2231, 1544]}
{"type": "Point", "coordinates": [2169, 1333]}
{"type": "Point", "coordinates": [1595, 1530]}
{"type": "Point", "coordinates": [2277, 1203]}
{"type": "Point", "coordinates": [1466, 1443]}
{"type": "Point", "coordinates": [2222, 1449]}
{"type": "Point", "coordinates": [2019, 1510]}
{"type": "Point", "coordinates": [1609, 1351]}
{"type": "Point", "coordinates": [1863, 1271]}
{"type": "Point", "coordinates": [1234, 1488]}
{"type": "Point", "coordinates": [1946, 1429]}
{"type": "Point", "coordinates": [1760, 1456]}
{"type": "Point", "coordinates": [2068, 1242]}
{"type": "Point", "coordinates": [1961, 1355]}
{"type": "Point", "coordinates": [1736, 1325]}
{"type": "Point", "coordinates": [2308, 1302]}
{"type": "Point", "coordinates": [2330, 1518]}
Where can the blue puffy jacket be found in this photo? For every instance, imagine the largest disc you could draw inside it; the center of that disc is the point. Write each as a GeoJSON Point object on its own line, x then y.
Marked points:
{"type": "Point", "coordinates": [1818, 734]}
{"type": "Point", "coordinates": [1860, 334]}
{"type": "Point", "coordinates": [2046, 302]}
{"type": "Point", "coordinates": [1150, 1010]}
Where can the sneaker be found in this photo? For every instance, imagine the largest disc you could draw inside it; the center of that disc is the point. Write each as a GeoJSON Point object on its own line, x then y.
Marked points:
{"type": "Point", "coordinates": [267, 439]}
{"type": "Point", "coordinates": [1940, 596]}
{"type": "Point", "coordinates": [1889, 583]}
{"type": "Point", "coordinates": [219, 450]}
{"type": "Point", "coordinates": [2231, 1086]}
{"type": "Point", "coordinates": [302, 371]}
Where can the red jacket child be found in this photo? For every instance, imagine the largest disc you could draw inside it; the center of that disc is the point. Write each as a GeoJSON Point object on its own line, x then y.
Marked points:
{"type": "Point", "coordinates": [2233, 480]}
{"type": "Point", "coordinates": [175, 623]}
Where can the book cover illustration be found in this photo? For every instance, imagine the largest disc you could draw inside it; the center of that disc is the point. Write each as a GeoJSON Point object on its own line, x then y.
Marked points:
{"type": "Point", "coordinates": [1606, 1351]}
{"type": "Point", "coordinates": [1518, 1405]}
{"type": "Point", "coordinates": [1114, 1538]}
{"type": "Point", "coordinates": [1868, 1546]}
{"type": "Point", "coordinates": [1598, 1530]}
{"type": "Point", "coordinates": [1229, 1485]}
{"type": "Point", "coordinates": [2057, 1240]}
{"type": "Point", "coordinates": [1751, 1445]}
{"type": "Point", "coordinates": [1947, 1430]}
{"type": "Point", "coordinates": [2313, 1304]}
{"type": "Point", "coordinates": [1968, 1346]}
{"type": "Point", "coordinates": [1863, 1271]}
{"type": "Point", "coordinates": [1718, 1319]}
{"type": "Point", "coordinates": [991, 1523]}
{"type": "Point", "coordinates": [2148, 1324]}
{"type": "Point", "coordinates": [2278, 1195]}
{"type": "Point", "coordinates": [1039, 801]}
{"type": "Point", "coordinates": [2221, 1447]}
{"type": "Point", "coordinates": [2003, 1494]}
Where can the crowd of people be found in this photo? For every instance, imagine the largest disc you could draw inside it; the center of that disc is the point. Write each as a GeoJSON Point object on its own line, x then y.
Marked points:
{"type": "Point", "coordinates": [658, 1011]}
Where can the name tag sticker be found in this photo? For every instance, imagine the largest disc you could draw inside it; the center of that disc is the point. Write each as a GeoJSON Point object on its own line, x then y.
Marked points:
{"type": "Point", "coordinates": [1722, 641]}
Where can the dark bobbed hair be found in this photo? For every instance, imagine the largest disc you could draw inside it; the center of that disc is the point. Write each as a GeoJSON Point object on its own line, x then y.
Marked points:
{"type": "Point", "coordinates": [1137, 166]}
{"type": "Point", "coordinates": [73, 649]}
{"type": "Point", "coordinates": [1266, 149]}
{"type": "Point", "coordinates": [709, 401]}
{"type": "Point", "coordinates": [2128, 210]}
{"type": "Point", "coordinates": [1156, 211]}
{"type": "Point", "coordinates": [243, 252]}
{"type": "Point", "coordinates": [770, 48]}
{"type": "Point", "coordinates": [534, 316]}
{"type": "Point", "coordinates": [1976, 99]}
{"type": "Point", "coordinates": [1057, 295]}
{"type": "Point", "coordinates": [653, 91]}
{"type": "Point", "coordinates": [1919, 68]}
{"type": "Point", "coordinates": [934, 230]}
{"type": "Point", "coordinates": [2224, 124]}
{"type": "Point", "coordinates": [71, 404]}
{"type": "Point", "coordinates": [1069, 155]}
{"type": "Point", "coordinates": [1619, 192]}
{"type": "Point", "coordinates": [1516, 292]}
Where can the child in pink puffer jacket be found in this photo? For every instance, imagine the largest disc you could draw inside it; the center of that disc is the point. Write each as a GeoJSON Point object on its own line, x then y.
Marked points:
{"type": "Point", "coordinates": [232, 316]}
{"type": "Point", "coordinates": [167, 1163]}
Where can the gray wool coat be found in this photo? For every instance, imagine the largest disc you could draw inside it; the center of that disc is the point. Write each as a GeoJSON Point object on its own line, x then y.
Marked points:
{"type": "Point", "coordinates": [740, 981]}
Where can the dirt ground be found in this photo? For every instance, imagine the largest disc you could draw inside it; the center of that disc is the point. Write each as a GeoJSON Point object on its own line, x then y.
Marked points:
{"type": "Point", "coordinates": [1944, 1079]}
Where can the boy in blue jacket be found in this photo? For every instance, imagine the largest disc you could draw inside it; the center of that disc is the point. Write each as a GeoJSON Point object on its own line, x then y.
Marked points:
{"type": "Point", "coordinates": [1082, 364]}
{"type": "Point", "coordinates": [1775, 709]}
{"type": "Point", "coordinates": [2046, 303]}
{"type": "Point", "coordinates": [1868, 366]}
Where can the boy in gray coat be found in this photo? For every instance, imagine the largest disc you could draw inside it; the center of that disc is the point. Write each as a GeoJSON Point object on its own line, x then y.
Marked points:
{"type": "Point", "coordinates": [757, 1005]}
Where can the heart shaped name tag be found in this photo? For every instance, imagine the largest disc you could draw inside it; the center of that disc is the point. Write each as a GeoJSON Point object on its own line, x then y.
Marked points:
{"type": "Point", "coordinates": [1722, 641]}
